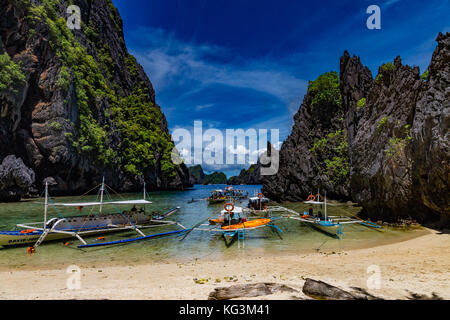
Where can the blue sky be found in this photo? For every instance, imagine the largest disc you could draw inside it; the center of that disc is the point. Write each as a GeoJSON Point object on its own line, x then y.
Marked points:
{"type": "Point", "coordinates": [246, 64]}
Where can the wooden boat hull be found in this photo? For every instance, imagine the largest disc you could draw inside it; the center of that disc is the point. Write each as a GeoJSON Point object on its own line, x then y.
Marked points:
{"type": "Point", "coordinates": [15, 238]}
{"type": "Point", "coordinates": [248, 224]}
{"type": "Point", "coordinates": [83, 225]}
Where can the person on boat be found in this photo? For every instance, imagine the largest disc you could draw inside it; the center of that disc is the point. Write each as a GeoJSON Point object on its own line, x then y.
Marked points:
{"type": "Point", "coordinates": [311, 212]}
{"type": "Point", "coordinates": [134, 209]}
{"type": "Point", "coordinates": [320, 215]}
{"type": "Point", "coordinates": [141, 210]}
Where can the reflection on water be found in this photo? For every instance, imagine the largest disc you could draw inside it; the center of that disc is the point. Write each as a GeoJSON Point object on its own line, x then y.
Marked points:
{"type": "Point", "coordinates": [296, 236]}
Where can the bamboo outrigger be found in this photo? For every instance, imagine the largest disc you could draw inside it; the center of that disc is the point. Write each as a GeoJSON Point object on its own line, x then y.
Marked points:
{"type": "Point", "coordinates": [88, 225]}
{"type": "Point", "coordinates": [233, 226]}
{"type": "Point", "coordinates": [331, 225]}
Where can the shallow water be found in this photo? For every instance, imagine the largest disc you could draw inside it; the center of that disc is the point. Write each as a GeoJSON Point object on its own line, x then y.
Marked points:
{"type": "Point", "coordinates": [296, 236]}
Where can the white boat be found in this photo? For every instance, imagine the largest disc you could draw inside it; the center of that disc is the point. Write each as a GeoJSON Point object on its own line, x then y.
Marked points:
{"type": "Point", "coordinates": [85, 225]}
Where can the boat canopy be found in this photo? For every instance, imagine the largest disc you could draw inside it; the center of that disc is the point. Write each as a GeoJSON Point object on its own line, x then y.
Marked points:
{"type": "Point", "coordinates": [235, 210]}
{"type": "Point", "coordinates": [88, 204]}
{"type": "Point", "coordinates": [256, 199]}
{"type": "Point", "coordinates": [314, 202]}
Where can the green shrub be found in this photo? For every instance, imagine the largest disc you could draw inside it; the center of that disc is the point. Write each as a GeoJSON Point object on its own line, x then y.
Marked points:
{"type": "Point", "coordinates": [325, 89]}
{"type": "Point", "coordinates": [319, 145]}
{"type": "Point", "coordinates": [382, 123]}
{"type": "Point", "coordinates": [389, 66]}
{"type": "Point", "coordinates": [379, 78]}
{"type": "Point", "coordinates": [55, 125]}
{"type": "Point", "coordinates": [425, 75]}
{"type": "Point", "coordinates": [338, 169]}
{"type": "Point", "coordinates": [361, 103]}
{"type": "Point", "coordinates": [396, 146]}
{"type": "Point", "coordinates": [63, 80]}
{"type": "Point", "coordinates": [11, 75]}
{"type": "Point", "coordinates": [333, 151]}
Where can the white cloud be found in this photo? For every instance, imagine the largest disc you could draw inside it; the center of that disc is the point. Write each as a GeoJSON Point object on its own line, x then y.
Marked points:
{"type": "Point", "coordinates": [204, 106]}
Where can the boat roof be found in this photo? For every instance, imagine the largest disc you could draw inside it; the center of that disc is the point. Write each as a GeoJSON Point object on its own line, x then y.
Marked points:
{"type": "Point", "coordinates": [256, 198]}
{"type": "Point", "coordinates": [314, 202]}
{"type": "Point", "coordinates": [235, 210]}
{"type": "Point", "coordinates": [88, 204]}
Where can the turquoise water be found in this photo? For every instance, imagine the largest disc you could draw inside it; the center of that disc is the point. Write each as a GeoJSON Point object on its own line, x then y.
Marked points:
{"type": "Point", "coordinates": [296, 236]}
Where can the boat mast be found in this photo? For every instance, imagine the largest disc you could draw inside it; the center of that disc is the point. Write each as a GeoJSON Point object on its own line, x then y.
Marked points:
{"type": "Point", "coordinates": [144, 195]}
{"type": "Point", "coordinates": [101, 194]}
{"type": "Point", "coordinates": [45, 204]}
{"type": "Point", "coordinates": [325, 206]}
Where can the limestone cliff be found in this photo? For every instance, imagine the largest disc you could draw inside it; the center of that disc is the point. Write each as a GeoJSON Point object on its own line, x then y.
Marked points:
{"type": "Point", "coordinates": [315, 155]}
{"type": "Point", "coordinates": [396, 145]}
{"type": "Point", "coordinates": [77, 105]}
{"type": "Point", "coordinates": [400, 153]}
{"type": "Point", "coordinates": [252, 175]}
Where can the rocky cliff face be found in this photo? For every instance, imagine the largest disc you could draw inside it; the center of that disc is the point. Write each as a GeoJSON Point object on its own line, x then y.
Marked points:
{"type": "Point", "coordinates": [315, 155]}
{"type": "Point", "coordinates": [77, 105]}
{"type": "Point", "coordinates": [396, 129]}
{"type": "Point", "coordinates": [250, 176]}
{"type": "Point", "coordinates": [197, 174]}
{"type": "Point", "coordinates": [400, 152]}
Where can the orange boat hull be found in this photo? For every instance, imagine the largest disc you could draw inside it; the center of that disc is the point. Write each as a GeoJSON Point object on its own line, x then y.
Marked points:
{"type": "Point", "coordinates": [247, 224]}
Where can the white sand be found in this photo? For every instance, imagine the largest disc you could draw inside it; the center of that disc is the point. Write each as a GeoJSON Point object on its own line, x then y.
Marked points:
{"type": "Point", "coordinates": [420, 265]}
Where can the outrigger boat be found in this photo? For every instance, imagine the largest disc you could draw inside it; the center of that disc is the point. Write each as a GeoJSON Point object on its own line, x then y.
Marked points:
{"type": "Point", "coordinates": [217, 196]}
{"type": "Point", "coordinates": [89, 225]}
{"type": "Point", "coordinates": [235, 194]}
{"type": "Point", "coordinates": [258, 203]}
{"type": "Point", "coordinates": [232, 224]}
{"type": "Point", "coordinates": [331, 225]}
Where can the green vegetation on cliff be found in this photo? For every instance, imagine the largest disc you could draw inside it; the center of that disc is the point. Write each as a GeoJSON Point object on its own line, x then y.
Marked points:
{"type": "Point", "coordinates": [325, 89]}
{"type": "Point", "coordinates": [10, 74]}
{"type": "Point", "coordinates": [333, 151]}
{"type": "Point", "coordinates": [361, 103]}
{"type": "Point", "coordinates": [197, 172]}
{"type": "Point", "coordinates": [134, 118]}
{"type": "Point", "coordinates": [215, 178]}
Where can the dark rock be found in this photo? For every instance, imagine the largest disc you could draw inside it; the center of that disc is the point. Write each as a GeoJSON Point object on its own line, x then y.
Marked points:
{"type": "Point", "coordinates": [302, 166]}
{"type": "Point", "coordinates": [196, 174]}
{"type": "Point", "coordinates": [398, 142]}
{"type": "Point", "coordinates": [15, 178]}
{"type": "Point", "coordinates": [250, 176]}
{"type": "Point", "coordinates": [323, 291]}
{"type": "Point", "coordinates": [248, 290]}
{"type": "Point", "coordinates": [215, 178]}
{"type": "Point", "coordinates": [400, 153]}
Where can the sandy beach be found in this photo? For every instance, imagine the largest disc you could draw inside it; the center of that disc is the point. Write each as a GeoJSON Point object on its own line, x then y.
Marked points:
{"type": "Point", "coordinates": [420, 266]}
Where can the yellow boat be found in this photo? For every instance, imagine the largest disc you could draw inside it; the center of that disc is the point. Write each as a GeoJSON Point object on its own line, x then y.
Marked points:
{"type": "Point", "coordinates": [247, 224]}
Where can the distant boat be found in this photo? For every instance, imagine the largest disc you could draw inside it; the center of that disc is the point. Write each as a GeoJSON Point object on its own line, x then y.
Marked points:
{"type": "Point", "coordinates": [217, 196]}
{"type": "Point", "coordinates": [258, 203]}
